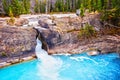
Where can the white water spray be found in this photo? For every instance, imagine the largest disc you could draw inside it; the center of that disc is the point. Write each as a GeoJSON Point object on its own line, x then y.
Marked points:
{"type": "Point", "coordinates": [81, 58]}
{"type": "Point", "coordinates": [49, 67]}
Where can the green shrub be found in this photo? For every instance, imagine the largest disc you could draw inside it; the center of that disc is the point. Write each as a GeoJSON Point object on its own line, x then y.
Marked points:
{"type": "Point", "coordinates": [87, 32]}
{"type": "Point", "coordinates": [11, 21]}
{"type": "Point", "coordinates": [82, 10]}
{"type": "Point", "coordinates": [10, 12]}
{"type": "Point", "coordinates": [3, 54]}
{"type": "Point", "coordinates": [111, 16]}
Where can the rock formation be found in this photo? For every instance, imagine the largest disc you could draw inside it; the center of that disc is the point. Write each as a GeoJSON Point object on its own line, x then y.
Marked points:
{"type": "Point", "coordinates": [16, 41]}
{"type": "Point", "coordinates": [62, 35]}
{"type": "Point", "coordinates": [58, 35]}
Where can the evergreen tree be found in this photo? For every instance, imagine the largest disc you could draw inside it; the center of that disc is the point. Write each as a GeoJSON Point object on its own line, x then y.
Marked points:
{"type": "Point", "coordinates": [16, 7]}
{"type": "Point", "coordinates": [67, 5]}
{"type": "Point", "coordinates": [26, 5]}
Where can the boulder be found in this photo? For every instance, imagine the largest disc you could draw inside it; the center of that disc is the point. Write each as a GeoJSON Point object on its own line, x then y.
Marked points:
{"type": "Point", "coordinates": [78, 12]}
{"type": "Point", "coordinates": [45, 21]}
{"type": "Point", "coordinates": [3, 22]}
{"type": "Point", "coordinates": [21, 21]}
{"type": "Point", "coordinates": [15, 41]}
{"type": "Point", "coordinates": [93, 53]}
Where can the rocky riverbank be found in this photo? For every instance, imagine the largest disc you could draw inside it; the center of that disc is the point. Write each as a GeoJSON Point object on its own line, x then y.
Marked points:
{"type": "Point", "coordinates": [58, 33]}
{"type": "Point", "coordinates": [16, 44]}
{"type": "Point", "coordinates": [62, 34]}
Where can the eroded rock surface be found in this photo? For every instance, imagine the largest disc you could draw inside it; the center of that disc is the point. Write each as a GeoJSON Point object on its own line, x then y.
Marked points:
{"type": "Point", "coordinates": [62, 35]}
{"type": "Point", "coordinates": [16, 41]}
{"type": "Point", "coordinates": [58, 35]}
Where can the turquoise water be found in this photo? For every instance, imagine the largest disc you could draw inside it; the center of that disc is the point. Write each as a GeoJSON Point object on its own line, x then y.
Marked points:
{"type": "Point", "coordinates": [62, 67]}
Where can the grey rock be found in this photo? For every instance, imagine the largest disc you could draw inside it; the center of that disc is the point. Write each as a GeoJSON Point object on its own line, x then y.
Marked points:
{"type": "Point", "coordinates": [16, 41]}
{"type": "Point", "coordinates": [63, 37]}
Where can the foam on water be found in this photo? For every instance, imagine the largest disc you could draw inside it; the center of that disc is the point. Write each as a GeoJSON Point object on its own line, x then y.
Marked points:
{"type": "Point", "coordinates": [49, 67]}
{"type": "Point", "coordinates": [82, 58]}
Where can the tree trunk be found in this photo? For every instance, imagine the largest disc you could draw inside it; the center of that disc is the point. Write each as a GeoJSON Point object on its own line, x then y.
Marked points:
{"type": "Point", "coordinates": [109, 4]}
{"type": "Point", "coordinates": [46, 7]}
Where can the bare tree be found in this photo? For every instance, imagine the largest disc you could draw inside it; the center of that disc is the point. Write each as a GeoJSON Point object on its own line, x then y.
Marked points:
{"type": "Point", "coordinates": [46, 6]}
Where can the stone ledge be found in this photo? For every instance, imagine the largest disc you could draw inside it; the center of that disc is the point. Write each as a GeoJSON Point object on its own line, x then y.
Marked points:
{"type": "Point", "coordinates": [15, 61]}
{"type": "Point", "coordinates": [3, 64]}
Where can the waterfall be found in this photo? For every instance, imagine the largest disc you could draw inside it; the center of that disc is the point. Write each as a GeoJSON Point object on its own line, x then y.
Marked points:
{"type": "Point", "coordinates": [49, 66]}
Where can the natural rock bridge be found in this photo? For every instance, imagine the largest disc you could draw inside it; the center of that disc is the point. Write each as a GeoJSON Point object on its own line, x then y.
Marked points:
{"type": "Point", "coordinates": [58, 35]}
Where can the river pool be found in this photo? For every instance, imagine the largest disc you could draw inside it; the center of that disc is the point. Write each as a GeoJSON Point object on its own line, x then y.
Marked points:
{"type": "Point", "coordinates": [64, 67]}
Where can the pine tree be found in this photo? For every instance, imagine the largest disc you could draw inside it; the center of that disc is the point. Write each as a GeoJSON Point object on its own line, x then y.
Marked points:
{"type": "Point", "coordinates": [26, 5]}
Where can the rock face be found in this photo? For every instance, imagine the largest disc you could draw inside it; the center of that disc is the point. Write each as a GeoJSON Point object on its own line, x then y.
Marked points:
{"type": "Point", "coordinates": [58, 35]}
{"type": "Point", "coordinates": [18, 22]}
{"type": "Point", "coordinates": [21, 21]}
{"type": "Point", "coordinates": [62, 35]}
{"type": "Point", "coordinates": [16, 41]}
